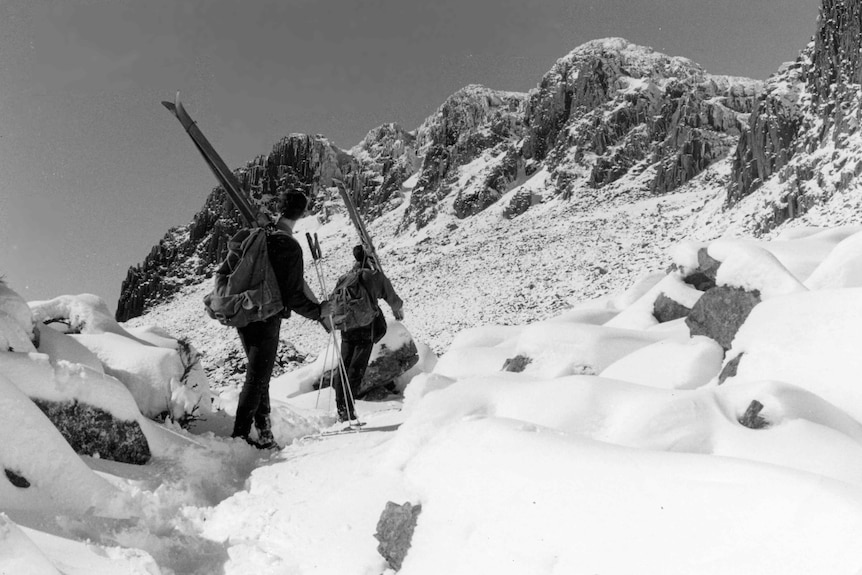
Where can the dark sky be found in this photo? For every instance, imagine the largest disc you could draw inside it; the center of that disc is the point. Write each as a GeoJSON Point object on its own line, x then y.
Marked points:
{"type": "Point", "coordinates": [95, 171]}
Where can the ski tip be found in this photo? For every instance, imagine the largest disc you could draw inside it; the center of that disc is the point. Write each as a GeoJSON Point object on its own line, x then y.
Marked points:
{"type": "Point", "coordinates": [175, 105]}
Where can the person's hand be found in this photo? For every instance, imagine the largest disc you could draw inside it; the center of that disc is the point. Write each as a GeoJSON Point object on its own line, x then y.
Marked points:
{"type": "Point", "coordinates": [398, 313]}
{"type": "Point", "coordinates": [324, 321]}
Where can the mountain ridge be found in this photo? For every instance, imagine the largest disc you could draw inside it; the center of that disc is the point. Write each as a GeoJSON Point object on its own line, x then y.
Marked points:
{"type": "Point", "coordinates": [506, 208]}
{"type": "Point", "coordinates": [519, 129]}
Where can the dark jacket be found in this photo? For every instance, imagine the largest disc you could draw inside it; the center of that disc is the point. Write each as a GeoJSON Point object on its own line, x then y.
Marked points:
{"type": "Point", "coordinates": [379, 286]}
{"type": "Point", "coordinates": [285, 254]}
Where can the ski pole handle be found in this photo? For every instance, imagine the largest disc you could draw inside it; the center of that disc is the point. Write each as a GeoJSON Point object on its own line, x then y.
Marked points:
{"type": "Point", "coordinates": [314, 254]}
{"type": "Point", "coordinates": [317, 247]}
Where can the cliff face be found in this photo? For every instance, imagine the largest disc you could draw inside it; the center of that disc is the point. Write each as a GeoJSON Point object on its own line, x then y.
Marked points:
{"type": "Point", "coordinates": [473, 123]}
{"type": "Point", "coordinates": [611, 109]}
{"type": "Point", "coordinates": [801, 148]}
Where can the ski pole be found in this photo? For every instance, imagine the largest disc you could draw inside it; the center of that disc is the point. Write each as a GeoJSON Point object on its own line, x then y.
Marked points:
{"type": "Point", "coordinates": [317, 256]}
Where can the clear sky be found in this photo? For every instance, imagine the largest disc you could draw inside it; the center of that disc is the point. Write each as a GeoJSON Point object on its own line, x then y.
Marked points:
{"type": "Point", "coordinates": [93, 171]}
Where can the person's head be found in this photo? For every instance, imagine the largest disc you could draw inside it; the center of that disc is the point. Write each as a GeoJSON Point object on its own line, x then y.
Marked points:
{"type": "Point", "coordinates": [292, 204]}
{"type": "Point", "coordinates": [359, 253]}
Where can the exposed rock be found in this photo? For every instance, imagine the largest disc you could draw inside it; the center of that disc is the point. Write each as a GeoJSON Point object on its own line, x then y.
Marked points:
{"type": "Point", "coordinates": [703, 278]}
{"type": "Point", "coordinates": [730, 368]}
{"type": "Point", "coordinates": [720, 312]}
{"type": "Point", "coordinates": [395, 531]}
{"type": "Point", "coordinates": [805, 128]}
{"type": "Point", "coordinates": [751, 418]}
{"type": "Point", "coordinates": [16, 479]}
{"type": "Point", "coordinates": [93, 431]}
{"type": "Point", "coordinates": [521, 201]}
{"type": "Point", "coordinates": [767, 142]}
{"type": "Point", "coordinates": [665, 309]}
{"type": "Point", "coordinates": [390, 364]}
{"type": "Point", "coordinates": [837, 45]}
{"type": "Point", "coordinates": [517, 364]}
{"type": "Point", "coordinates": [382, 371]}
{"type": "Point", "coordinates": [502, 177]}
{"type": "Point", "coordinates": [470, 122]}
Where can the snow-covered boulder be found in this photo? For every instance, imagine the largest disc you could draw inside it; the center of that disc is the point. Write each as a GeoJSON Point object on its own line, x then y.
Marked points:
{"type": "Point", "coordinates": [163, 373]}
{"type": "Point", "coordinates": [59, 347]}
{"type": "Point", "coordinates": [37, 454]}
{"type": "Point", "coordinates": [17, 331]}
{"type": "Point", "coordinates": [808, 339]}
{"type": "Point", "coordinates": [391, 357]}
{"type": "Point", "coordinates": [641, 314]}
{"type": "Point", "coordinates": [96, 432]}
{"type": "Point", "coordinates": [842, 268]}
{"type": "Point", "coordinates": [676, 363]}
{"type": "Point", "coordinates": [24, 550]}
{"type": "Point", "coordinates": [94, 412]}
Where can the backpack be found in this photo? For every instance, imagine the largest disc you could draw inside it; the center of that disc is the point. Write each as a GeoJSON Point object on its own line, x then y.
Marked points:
{"type": "Point", "coordinates": [246, 289]}
{"type": "Point", "coordinates": [352, 305]}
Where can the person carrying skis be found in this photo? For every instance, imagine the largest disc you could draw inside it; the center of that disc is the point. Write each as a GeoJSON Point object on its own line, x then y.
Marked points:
{"type": "Point", "coordinates": [260, 338]}
{"type": "Point", "coordinates": [357, 342]}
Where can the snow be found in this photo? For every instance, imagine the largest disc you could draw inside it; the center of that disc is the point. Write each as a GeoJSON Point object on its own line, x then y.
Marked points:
{"type": "Point", "coordinates": [674, 363]}
{"type": "Point", "coordinates": [614, 450]}
{"type": "Point", "coordinates": [807, 339]}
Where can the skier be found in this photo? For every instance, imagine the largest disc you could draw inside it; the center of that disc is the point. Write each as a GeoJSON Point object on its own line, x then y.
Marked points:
{"type": "Point", "coordinates": [356, 343]}
{"type": "Point", "coordinates": [260, 339]}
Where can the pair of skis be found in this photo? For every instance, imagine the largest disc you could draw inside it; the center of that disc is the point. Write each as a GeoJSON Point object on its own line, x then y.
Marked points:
{"type": "Point", "coordinates": [353, 213]}
{"type": "Point", "coordinates": [250, 213]}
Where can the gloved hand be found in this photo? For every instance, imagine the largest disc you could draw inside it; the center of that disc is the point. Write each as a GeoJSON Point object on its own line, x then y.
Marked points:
{"type": "Point", "coordinates": [398, 313]}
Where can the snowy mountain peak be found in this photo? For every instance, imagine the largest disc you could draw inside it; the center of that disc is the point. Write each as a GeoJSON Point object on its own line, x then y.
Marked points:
{"type": "Point", "coordinates": [627, 59]}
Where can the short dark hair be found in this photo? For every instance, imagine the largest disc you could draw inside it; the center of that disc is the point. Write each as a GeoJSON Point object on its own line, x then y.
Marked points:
{"type": "Point", "coordinates": [359, 253]}
{"type": "Point", "coordinates": [292, 204]}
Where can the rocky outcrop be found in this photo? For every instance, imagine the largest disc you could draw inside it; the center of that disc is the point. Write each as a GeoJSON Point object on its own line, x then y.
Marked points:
{"type": "Point", "coordinates": [395, 532]}
{"type": "Point", "coordinates": [472, 122]}
{"type": "Point", "coordinates": [93, 431]}
{"type": "Point", "coordinates": [802, 139]}
{"type": "Point", "coordinates": [520, 202]}
{"type": "Point", "coordinates": [616, 109]}
{"type": "Point", "coordinates": [836, 58]}
{"type": "Point", "coordinates": [768, 140]}
{"type": "Point", "coordinates": [720, 312]}
{"type": "Point", "coordinates": [387, 156]}
{"type": "Point", "coordinates": [502, 176]}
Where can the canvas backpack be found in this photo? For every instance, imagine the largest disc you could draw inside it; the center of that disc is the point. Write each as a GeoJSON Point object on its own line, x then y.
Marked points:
{"type": "Point", "coordinates": [352, 305]}
{"type": "Point", "coordinates": [246, 289]}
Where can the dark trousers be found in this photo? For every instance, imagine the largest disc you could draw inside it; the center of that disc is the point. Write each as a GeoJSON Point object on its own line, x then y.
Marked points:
{"type": "Point", "coordinates": [260, 341]}
{"type": "Point", "coordinates": [355, 352]}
